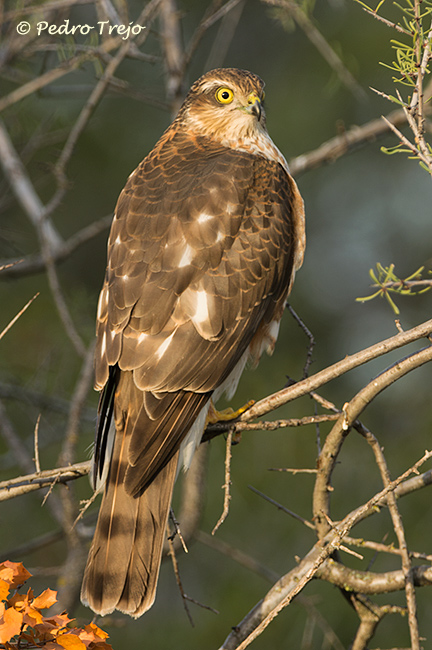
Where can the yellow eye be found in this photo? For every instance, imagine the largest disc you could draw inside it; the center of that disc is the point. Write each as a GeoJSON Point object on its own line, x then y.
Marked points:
{"type": "Point", "coordinates": [224, 95]}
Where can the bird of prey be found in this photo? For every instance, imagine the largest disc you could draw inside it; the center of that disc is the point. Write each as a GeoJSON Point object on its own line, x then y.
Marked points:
{"type": "Point", "coordinates": [207, 235]}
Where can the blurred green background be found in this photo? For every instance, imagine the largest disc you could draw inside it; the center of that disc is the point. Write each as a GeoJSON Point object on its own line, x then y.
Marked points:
{"type": "Point", "coordinates": [364, 208]}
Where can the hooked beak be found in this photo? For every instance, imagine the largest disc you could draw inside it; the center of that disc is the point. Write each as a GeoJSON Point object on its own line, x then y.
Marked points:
{"type": "Point", "coordinates": [254, 106]}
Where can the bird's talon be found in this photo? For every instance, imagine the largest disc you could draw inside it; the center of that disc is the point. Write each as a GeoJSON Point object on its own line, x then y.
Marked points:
{"type": "Point", "coordinates": [226, 414]}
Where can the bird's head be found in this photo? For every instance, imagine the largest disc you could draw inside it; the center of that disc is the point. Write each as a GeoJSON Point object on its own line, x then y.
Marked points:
{"type": "Point", "coordinates": [226, 104]}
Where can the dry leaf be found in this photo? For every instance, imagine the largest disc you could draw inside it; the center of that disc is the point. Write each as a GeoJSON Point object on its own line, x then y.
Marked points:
{"type": "Point", "coordinates": [70, 641]}
{"type": "Point", "coordinates": [4, 589]}
{"type": "Point", "coordinates": [10, 624]}
{"type": "Point", "coordinates": [14, 573]}
{"type": "Point", "coordinates": [46, 599]}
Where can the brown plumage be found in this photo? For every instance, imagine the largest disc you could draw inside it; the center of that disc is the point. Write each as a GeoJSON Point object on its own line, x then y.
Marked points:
{"type": "Point", "coordinates": [206, 237]}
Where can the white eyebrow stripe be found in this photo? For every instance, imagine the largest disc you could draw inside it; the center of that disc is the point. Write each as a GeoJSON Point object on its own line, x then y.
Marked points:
{"type": "Point", "coordinates": [215, 83]}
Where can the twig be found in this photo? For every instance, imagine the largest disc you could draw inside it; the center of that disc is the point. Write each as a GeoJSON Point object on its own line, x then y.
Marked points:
{"type": "Point", "coordinates": [237, 555]}
{"type": "Point", "coordinates": [34, 481]}
{"type": "Point", "coordinates": [177, 531]}
{"type": "Point", "coordinates": [399, 530]}
{"type": "Point", "coordinates": [15, 318]}
{"type": "Point", "coordinates": [36, 445]}
{"type": "Point", "coordinates": [281, 507]}
{"type": "Point", "coordinates": [264, 425]}
{"type": "Point", "coordinates": [227, 484]}
{"type": "Point", "coordinates": [384, 548]}
{"type": "Point", "coordinates": [310, 336]}
{"type": "Point", "coordinates": [383, 20]}
{"type": "Point", "coordinates": [178, 580]}
{"type": "Point", "coordinates": [293, 470]}
{"type": "Point", "coordinates": [85, 505]}
{"type": "Point", "coordinates": [58, 297]}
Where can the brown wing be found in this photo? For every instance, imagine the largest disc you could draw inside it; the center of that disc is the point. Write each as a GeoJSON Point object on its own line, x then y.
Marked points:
{"type": "Point", "coordinates": [200, 257]}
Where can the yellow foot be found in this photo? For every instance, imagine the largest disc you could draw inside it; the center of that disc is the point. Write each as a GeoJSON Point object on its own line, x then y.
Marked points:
{"type": "Point", "coordinates": [226, 415]}
{"type": "Point", "coordinates": [214, 415]}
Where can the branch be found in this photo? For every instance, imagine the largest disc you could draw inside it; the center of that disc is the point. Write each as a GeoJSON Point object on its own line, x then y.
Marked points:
{"type": "Point", "coordinates": [342, 144]}
{"type": "Point", "coordinates": [351, 411]}
{"type": "Point", "coordinates": [350, 362]}
{"type": "Point", "coordinates": [23, 484]}
{"type": "Point", "coordinates": [35, 263]}
{"type": "Point", "coordinates": [367, 582]}
{"type": "Point", "coordinates": [283, 592]}
{"type": "Point", "coordinates": [24, 191]}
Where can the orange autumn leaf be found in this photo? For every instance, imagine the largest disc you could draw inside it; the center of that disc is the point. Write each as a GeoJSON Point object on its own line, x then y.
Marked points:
{"type": "Point", "coordinates": [4, 589]}
{"type": "Point", "coordinates": [51, 626]}
{"type": "Point", "coordinates": [14, 573]}
{"type": "Point", "coordinates": [6, 573]}
{"type": "Point", "coordinates": [32, 616]}
{"type": "Point", "coordinates": [70, 642]}
{"type": "Point", "coordinates": [10, 624]}
{"type": "Point", "coordinates": [22, 624]}
{"type": "Point", "coordinates": [59, 620]}
{"type": "Point", "coordinates": [21, 601]}
{"type": "Point", "coordinates": [46, 599]}
{"type": "Point", "coordinates": [92, 632]}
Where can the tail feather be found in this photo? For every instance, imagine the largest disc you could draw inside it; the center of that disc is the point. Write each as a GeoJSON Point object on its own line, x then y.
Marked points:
{"type": "Point", "coordinates": [124, 559]}
{"type": "Point", "coordinates": [123, 564]}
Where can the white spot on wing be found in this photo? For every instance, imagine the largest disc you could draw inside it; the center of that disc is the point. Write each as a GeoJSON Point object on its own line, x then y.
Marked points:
{"type": "Point", "coordinates": [103, 345]}
{"type": "Point", "coordinates": [101, 303]}
{"type": "Point", "coordinates": [204, 216]}
{"type": "Point", "coordinates": [117, 240]}
{"type": "Point", "coordinates": [186, 257]}
{"type": "Point", "coordinates": [164, 347]}
{"type": "Point", "coordinates": [141, 337]}
{"type": "Point", "coordinates": [230, 208]}
{"type": "Point", "coordinates": [201, 313]}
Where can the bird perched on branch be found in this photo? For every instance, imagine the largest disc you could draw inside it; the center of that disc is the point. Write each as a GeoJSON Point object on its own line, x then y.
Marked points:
{"type": "Point", "coordinates": [207, 235]}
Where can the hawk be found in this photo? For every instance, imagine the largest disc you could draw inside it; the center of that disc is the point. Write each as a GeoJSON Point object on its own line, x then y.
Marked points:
{"type": "Point", "coordinates": [207, 235]}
